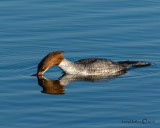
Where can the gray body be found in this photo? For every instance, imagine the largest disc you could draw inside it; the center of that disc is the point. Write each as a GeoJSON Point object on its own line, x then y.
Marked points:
{"type": "Point", "coordinates": [96, 66]}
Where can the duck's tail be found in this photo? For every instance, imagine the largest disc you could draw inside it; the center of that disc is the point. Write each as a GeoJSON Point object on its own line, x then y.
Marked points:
{"type": "Point", "coordinates": [128, 64]}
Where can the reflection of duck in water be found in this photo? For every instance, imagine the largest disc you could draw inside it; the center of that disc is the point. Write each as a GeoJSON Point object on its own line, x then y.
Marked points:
{"type": "Point", "coordinates": [84, 67]}
{"type": "Point", "coordinates": [50, 86]}
{"type": "Point", "coordinates": [57, 86]}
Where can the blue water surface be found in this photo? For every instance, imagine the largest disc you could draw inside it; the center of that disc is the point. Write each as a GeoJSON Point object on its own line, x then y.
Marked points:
{"type": "Point", "coordinates": [111, 29]}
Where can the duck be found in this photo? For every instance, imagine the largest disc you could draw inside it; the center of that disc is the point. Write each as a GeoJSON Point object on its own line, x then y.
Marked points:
{"type": "Point", "coordinates": [85, 67]}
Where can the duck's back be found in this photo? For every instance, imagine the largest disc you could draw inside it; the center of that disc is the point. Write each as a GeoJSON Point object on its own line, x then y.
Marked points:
{"type": "Point", "coordinates": [90, 60]}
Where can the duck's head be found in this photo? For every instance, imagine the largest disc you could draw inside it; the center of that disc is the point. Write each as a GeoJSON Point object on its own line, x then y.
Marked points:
{"type": "Point", "coordinates": [53, 58]}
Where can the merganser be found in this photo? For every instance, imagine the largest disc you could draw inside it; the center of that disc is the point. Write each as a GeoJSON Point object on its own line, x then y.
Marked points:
{"type": "Point", "coordinates": [84, 67]}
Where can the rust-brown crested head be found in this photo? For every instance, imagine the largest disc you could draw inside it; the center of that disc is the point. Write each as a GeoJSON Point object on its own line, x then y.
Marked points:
{"type": "Point", "coordinates": [53, 58]}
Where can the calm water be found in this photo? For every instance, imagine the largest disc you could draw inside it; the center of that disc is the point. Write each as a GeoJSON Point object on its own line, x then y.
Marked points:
{"type": "Point", "coordinates": [112, 29]}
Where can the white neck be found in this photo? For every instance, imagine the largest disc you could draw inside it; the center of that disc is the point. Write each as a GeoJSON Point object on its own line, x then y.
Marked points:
{"type": "Point", "coordinates": [69, 67]}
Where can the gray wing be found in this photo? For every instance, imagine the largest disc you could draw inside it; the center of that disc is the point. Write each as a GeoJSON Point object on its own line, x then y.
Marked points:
{"type": "Point", "coordinates": [91, 60]}
{"type": "Point", "coordinates": [100, 65]}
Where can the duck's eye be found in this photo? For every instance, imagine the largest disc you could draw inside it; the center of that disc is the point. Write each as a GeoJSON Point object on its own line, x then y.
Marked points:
{"type": "Point", "coordinates": [43, 69]}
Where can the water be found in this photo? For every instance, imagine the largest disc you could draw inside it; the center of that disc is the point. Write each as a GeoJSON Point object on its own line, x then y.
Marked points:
{"type": "Point", "coordinates": [116, 30]}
